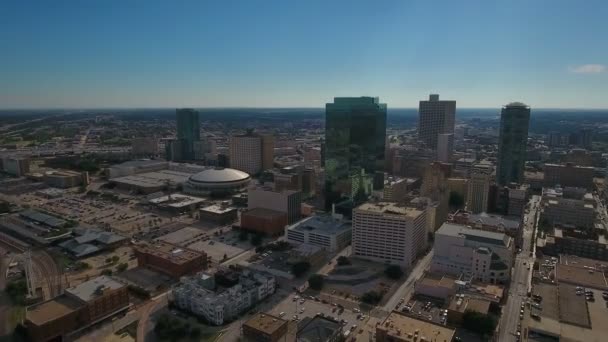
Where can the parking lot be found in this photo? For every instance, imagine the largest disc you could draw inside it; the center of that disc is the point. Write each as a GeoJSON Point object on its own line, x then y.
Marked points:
{"type": "Point", "coordinates": [292, 309]}
{"type": "Point", "coordinates": [425, 309]}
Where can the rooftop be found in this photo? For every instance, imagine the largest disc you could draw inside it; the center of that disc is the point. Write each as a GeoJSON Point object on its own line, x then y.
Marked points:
{"type": "Point", "coordinates": [266, 323]}
{"type": "Point", "coordinates": [317, 329]}
{"type": "Point", "coordinates": [94, 287]}
{"type": "Point", "coordinates": [176, 200]}
{"type": "Point", "coordinates": [57, 307]}
{"type": "Point", "coordinates": [462, 303]}
{"type": "Point", "coordinates": [218, 208]}
{"type": "Point", "coordinates": [494, 220]}
{"type": "Point", "coordinates": [182, 236]}
{"type": "Point", "coordinates": [168, 251]}
{"type": "Point", "coordinates": [437, 280]}
{"type": "Point", "coordinates": [219, 175]}
{"type": "Point", "coordinates": [154, 179]}
{"type": "Point", "coordinates": [412, 329]}
{"type": "Point", "coordinates": [390, 208]}
{"type": "Point", "coordinates": [324, 224]}
{"type": "Point", "coordinates": [263, 212]}
{"type": "Point", "coordinates": [455, 230]}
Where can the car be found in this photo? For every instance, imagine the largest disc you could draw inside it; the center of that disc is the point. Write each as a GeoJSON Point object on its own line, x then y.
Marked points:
{"type": "Point", "coordinates": [281, 314]}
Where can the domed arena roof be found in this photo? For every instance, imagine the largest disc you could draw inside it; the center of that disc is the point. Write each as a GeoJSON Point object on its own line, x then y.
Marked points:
{"type": "Point", "coordinates": [219, 175]}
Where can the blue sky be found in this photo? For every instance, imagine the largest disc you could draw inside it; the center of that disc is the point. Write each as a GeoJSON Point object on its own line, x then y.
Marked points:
{"type": "Point", "coordinates": [266, 53]}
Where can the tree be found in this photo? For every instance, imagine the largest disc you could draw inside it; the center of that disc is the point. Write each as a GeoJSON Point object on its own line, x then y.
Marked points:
{"type": "Point", "coordinates": [225, 257]}
{"type": "Point", "coordinates": [256, 240]}
{"type": "Point", "coordinates": [195, 332]}
{"type": "Point", "coordinates": [316, 282]}
{"type": "Point", "coordinates": [393, 272]}
{"type": "Point", "coordinates": [299, 268]}
{"type": "Point", "coordinates": [16, 290]}
{"type": "Point", "coordinates": [122, 267]}
{"type": "Point", "coordinates": [371, 297]}
{"type": "Point", "coordinates": [243, 235]}
{"type": "Point", "coordinates": [342, 260]}
{"type": "Point", "coordinates": [479, 323]}
{"type": "Point", "coordinates": [106, 272]}
{"type": "Point", "coordinates": [115, 259]}
{"type": "Point", "coordinates": [108, 260]}
{"type": "Point", "coordinates": [456, 200]}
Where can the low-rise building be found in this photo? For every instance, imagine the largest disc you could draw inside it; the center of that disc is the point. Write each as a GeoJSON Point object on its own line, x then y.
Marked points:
{"type": "Point", "coordinates": [218, 213]}
{"type": "Point", "coordinates": [170, 259]}
{"type": "Point", "coordinates": [263, 327]}
{"type": "Point", "coordinates": [395, 188]}
{"type": "Point", "coordinates": [438, 286]}
{"type": "Point", "coordinates": [570, 242]}
{"type": "Point", "coordinates": [328, 232]}
{"type": "Point", "coordinates": [477, 254]}
{"type": "Point", "coordinates": [195, 295]}
{"type": "Point", "coordinates": [64, 178]}
{"type": "Point", "coordinates": [76, 309]}
{"type": "Point", "coordinates": [16, 166]}
{"type": "Point", "coordinates": [460, 303]}
{"type": "Point", "coordinates": [90, 241]}
{"type": "Point", "coordinates": [401, 327]}
{"type": "Point", "coordinates": [177, 203]}
{"type": "Point", "coordinates": [319, 328]}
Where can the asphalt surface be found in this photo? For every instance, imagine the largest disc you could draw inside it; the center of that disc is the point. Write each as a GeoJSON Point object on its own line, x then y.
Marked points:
{"type": "Point", "coordinates": [520, 279]}
{"type": "Point", "coordinates": [405, 290]}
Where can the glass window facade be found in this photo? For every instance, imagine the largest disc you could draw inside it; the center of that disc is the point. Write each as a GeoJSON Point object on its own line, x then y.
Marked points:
{"type": "Point", "coordinates": [355, 137]}
{"type": "Point", "coordinates": [513, 139]}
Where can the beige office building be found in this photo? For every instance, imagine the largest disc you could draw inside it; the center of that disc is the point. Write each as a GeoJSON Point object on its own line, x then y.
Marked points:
{"type": "Point", "coordinates": [479, 188]}
{"type": "Point", "coordinates": [387, 232]}
{"type": "Point", "coordinates": [251, 153]}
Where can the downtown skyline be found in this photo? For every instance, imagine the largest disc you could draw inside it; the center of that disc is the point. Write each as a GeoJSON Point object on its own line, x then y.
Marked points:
{"type": "Point", "coordinates": [277, 54]}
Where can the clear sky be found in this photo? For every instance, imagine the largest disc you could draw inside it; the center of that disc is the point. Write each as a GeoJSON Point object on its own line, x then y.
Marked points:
{"type": "Point", "coordinates": [266, 53]}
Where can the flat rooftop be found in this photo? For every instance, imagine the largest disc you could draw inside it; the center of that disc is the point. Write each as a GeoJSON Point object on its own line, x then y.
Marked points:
{"type": "Point", "coordinates": [580, 276]}
{"type": "Point", "coordinates": [463, 303]}
{"type": "Point", "coordinates": [317, 329]}
{"type": "Point", "coordinates": [218, 209]}
{"type": "Point", "coordinates": [390, 208]}
{"type": "Point", "coordinates": [459, 230]}
{"type": "Point", "coordinates": [94, 288]}
{"type": "Point", "coordinates": [437, 280]}
{"type": "Point", "coordinates": [168, 251]}
{"type": "Point", "coordinates": [265, 323]}
{"type": "Point", "coordinates": [322, 224]}
{"type": "Point", "coordinates": [55, 308]}
{"type": "Point", "coordinates": [405, 327]}
{"type": "Point", "coordinates": [176, 200]}
{"type": "Point", "coordinates": [154, 179]}
{"type": "Point", "coordinates": [263, 212]}
{"type": "Point", "coordinates": [181, 236]}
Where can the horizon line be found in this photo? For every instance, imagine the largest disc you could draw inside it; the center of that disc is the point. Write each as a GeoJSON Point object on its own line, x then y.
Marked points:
{"type": "Point", "coordinates": [248, 107]}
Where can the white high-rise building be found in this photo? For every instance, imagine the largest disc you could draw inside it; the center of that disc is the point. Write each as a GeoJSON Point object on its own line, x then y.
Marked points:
{"type": "Point", "coordinates": [445, 145]}
{"type": "Point", "coordinates": [435, 117]}
{"type": "Point", "coordinates": [387, 232]}
{"type": "Point", "coordinates": [479, 188]}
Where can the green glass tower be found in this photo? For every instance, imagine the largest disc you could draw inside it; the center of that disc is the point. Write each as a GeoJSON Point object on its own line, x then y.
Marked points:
{"type": "Point", "coordinates": [512, 141]}
{"type": "Point", "coordinates": [188, 131]}
{"type": "Point", "coordinates": [355, 137]}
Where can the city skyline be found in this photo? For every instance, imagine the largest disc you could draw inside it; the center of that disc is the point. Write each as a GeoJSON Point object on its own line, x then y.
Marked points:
{"type": "Point", "coordinates": [280, 55]}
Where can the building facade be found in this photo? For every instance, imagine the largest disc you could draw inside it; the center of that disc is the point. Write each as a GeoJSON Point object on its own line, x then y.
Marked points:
{"type": "Point", "coordinates": [355, 137]}
{"type": "Point", "coordinates": [194, 294]}
{"type": "Point", "coordinates": [477, 254]}
{"type": "Point", "coordinates": [568, 175]}
{"type": "Point", "coordinates": [169, 259]}
{"type": "Point", "coordinates": [435, 117]}
{"type": "Point", "coordinates": [251, 152]}
{"type": "Point", "coordinates": [512, 142]}
{"type": "Point", "coordinates": [479, 188]}
{"type": "Point", "coordinates": [188, 129]}
{"type": "Point", "coordinates": [387, 232]}
{"type": "Point", "coordinates": [331, 233]}
{"type": "Point", "coordinates": [287, 201]}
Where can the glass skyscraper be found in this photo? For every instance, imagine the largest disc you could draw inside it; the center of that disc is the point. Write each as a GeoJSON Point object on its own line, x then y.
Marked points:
{"type": "Point", "coordinates": [512, 141]}
{"type": "Point", "coordinates": [188, 132]}
{"type": "Point", "coordinates": [355, 137]}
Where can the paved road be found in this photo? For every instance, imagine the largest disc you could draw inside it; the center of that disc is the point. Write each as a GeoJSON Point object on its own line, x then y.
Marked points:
{"type": "Point", "coordinates": [155, 304]}
{"type": "Point", "coordinates": [520, 279]}
{"type": "Point", "coordinates": [407, 287]}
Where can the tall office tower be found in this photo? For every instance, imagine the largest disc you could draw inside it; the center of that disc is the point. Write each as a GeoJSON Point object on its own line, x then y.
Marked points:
{"type": "Point", "coordinates": [435, 117]}
{"type": "Point", "coordinates": [251, 152]}
{"type": "Point", "coordinates": [355, 136]}
{"type": "Point", "coordinates": [188, 136]}
{"type": "Point", "coordinates": [387, 232]}
{"type": "Point", "coordinates": [512, 141]}
{"type": "Point", "coordinates": [479, 188]}
{"type": "Point", "coordinates": [445, 145]}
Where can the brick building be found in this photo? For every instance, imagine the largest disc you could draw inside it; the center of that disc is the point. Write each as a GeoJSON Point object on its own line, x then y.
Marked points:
{"type": "Point", "coordinates": [170, 259]}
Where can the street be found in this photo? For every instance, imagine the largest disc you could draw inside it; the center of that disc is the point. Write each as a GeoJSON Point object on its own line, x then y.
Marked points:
{"type": "Point", "coordinates": [522, 270]}
{"type": "Point", "coordinates": [407, 287]}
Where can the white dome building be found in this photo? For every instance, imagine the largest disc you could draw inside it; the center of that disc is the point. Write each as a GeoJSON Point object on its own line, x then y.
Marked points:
{"type": "Point", "coordinates": [217, 181]}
